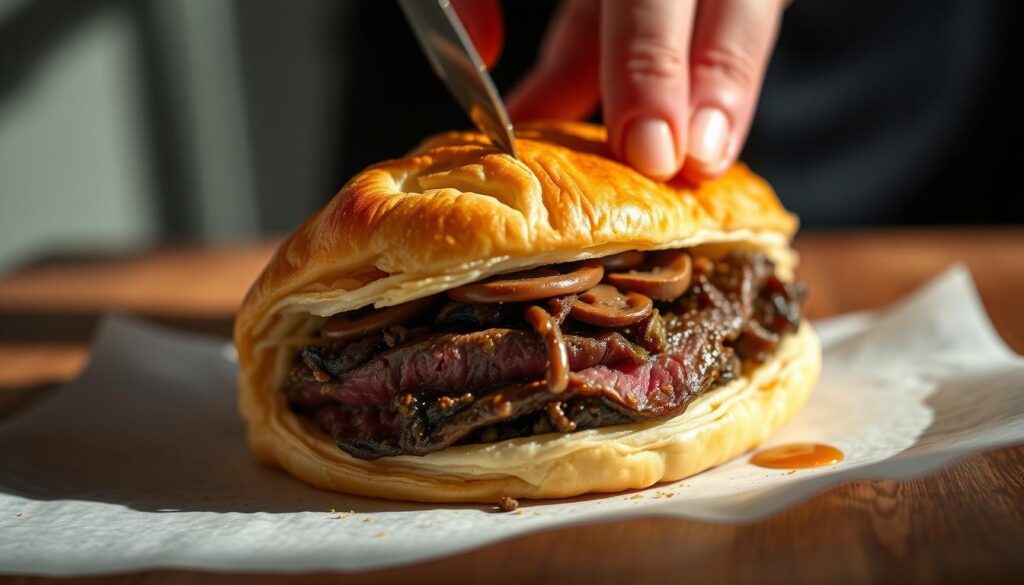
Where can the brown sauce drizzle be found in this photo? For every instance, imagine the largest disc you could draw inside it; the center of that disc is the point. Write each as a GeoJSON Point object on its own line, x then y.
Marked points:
{"type": "Point", "coordinates": [530, 285]}
{"type": "Point", "coordinates": [798, 456]}
{"type": "Point", "coordinates": [556, 414]}
{"type": "Point", "coordinates": [558, 354]}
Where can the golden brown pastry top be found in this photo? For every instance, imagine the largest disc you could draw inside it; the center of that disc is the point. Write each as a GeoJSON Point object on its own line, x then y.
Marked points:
{"type": "Point", "coordinates": [455, 209]}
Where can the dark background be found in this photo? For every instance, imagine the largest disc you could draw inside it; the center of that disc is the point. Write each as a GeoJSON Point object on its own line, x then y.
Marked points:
{"type": "Point", "coordinates": [235, 118]}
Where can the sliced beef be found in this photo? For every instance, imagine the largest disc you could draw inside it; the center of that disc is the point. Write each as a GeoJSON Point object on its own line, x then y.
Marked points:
{"type": "Point", "coordinates": [472, 316]}
{"type": "Point", "coordinates": [483, 379]}
{"type": "Point", "coordinates": [663, 385]}
{"type": "Point", "coordinates": [375, 429]}
{"type": "Point", "coordinates": [649, 334]}
{"type": "Point", "coordinates": [336, 359]}
{"type": "Point", "coordinates": [657, 388]}
{"type": "Point", "coordinates": [456, 362]}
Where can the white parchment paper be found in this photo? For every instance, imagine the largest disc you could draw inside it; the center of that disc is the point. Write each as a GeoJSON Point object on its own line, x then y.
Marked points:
{"type": "Point", "coordinates": [141, 462]}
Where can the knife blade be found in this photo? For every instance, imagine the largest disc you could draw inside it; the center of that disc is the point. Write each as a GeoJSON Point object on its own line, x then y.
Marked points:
{"type": "Point", "coordinates": [454, 59]}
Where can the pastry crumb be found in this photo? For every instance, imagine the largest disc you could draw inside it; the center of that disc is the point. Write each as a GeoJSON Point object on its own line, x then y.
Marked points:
{"type": "Point", "coordinates": [381, 534]}
{"type": "Point", "coordinates": [508, 504]}
{"type": "Point", "coordinates": [367, 520]}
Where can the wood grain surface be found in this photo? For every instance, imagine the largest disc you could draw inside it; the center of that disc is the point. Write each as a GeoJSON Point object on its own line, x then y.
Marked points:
{"type": "Point", "coordinates": [963, 523]}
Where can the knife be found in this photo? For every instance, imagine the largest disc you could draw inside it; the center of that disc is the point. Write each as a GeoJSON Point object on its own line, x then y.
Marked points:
{"type": "Point", "coordinates": [454, 59]}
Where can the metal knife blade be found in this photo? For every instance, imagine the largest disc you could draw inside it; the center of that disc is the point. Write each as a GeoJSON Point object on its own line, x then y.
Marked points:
{"type": "Point", "coordinates": [454, 59]}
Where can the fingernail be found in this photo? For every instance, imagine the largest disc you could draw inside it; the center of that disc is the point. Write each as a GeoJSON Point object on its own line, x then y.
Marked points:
{"type": "Point", "coordinates": [649, 148]}
{"type": "Point", "coordinates": [709, 130]}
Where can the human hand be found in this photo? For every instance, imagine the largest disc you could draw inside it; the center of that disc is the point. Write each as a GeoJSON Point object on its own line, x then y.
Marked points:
{"type": "Point", "coordinates": [678, 80]}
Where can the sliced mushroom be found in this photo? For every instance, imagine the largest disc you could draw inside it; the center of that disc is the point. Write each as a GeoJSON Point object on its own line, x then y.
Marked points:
{"type": "Point", "coordinates": [605, 306]}
{"type": "Point", "coordinates": [530, 285]}
{"type": "Point", "coordinates": [342, 327]}
{"type": "Point", "coordinates": [666, 281]}
{"type": "Point", "coordinates": [624, 260]}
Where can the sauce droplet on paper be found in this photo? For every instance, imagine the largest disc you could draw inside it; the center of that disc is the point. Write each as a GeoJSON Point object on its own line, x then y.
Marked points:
{"type": "Point", "coordinates": [797, 456]}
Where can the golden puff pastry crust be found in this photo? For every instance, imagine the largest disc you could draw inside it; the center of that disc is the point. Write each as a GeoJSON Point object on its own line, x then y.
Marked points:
{"type": "Point", "coordinates": [455, 210]}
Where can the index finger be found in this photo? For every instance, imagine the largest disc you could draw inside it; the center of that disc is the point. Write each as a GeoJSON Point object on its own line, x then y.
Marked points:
{"type": "Point", "coordinates": [645, 48]}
